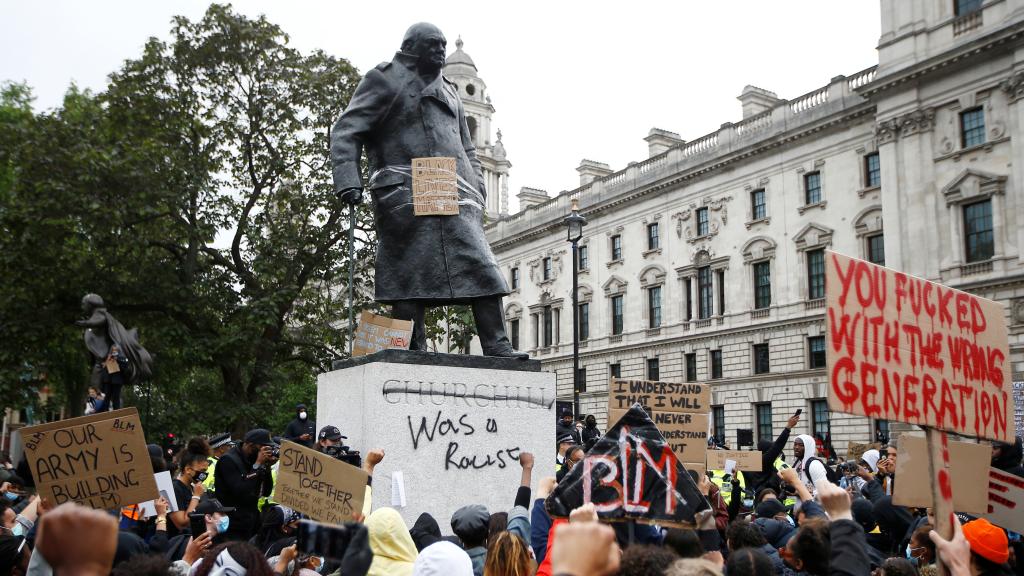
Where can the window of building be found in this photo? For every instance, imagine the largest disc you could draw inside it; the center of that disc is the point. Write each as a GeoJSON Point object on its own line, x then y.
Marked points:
{"type": "Point", "coordinates": [882, 431]}
{"type": "Point", "coordinates": [653, 238]}
{"type": "Point", "coordinates": [691, 367]}
{"type": "Point", "coordinates": [687, 286]}
{"type": "Point", "coordinates": [978, 231]}
{"type": "Point", "coordinates": [815, 274]}
{"type": "Point", "coordinates": [617, 314]}
{"type": "Point", "coordinates": [702, 222]}
{"type": "Point", "coordinates": [972, 127]}
{"type": "Point", "coordinates": [962, 7]}
{"type": "Point", "coordinates": [718, 422]}
{"type": "Point", "coordinates": [704, 296]}
{"type": "Point", "coordinates": [615, 370]}
{"type": "Point", "coordinates": [583, 257]}
{"type": "Point", "coordinates": [876, 249]}
{"type": "Point", "coordinates": [513, 329]}
{"type": "Point", "coordinates": [536, 329]}
{"type": "Point", "coordinates": [872, 170]}
{"type": "Point", "coordinates": [546, 265]}
{"type": "Point", "coordinates": [581, 379]}
{"type": "Point", "coordinates": [584, 317]}
{"type": "Point", "coordinates": [616, 247]}
{"type": "Point", "coordinates": [514, 278]}
{"type": "Point", "coordinates": [652, 369]}
{"type": "Point", "coordinates": [816, 352]}
{"type": "Point", "coordinates": [654, 306]}
{"type": "Point", "coordinates": [762, 285]}
{"type": "Point", "coordinates": [763, 413]}
{"type": "Point", "coordinates": [812, 188]}
{"type": "Point", "coordinates": [715, 358]}
{"type": "Point", "coordinates": [758, 209]}
{"type": "Point", "coordinates": [721, 291]}
{"type": "Point", "coordinates": [819, 418]}
{"type": "Point", "coordinates": [549, 326]}
{"type": "Point", "coordinates": [761, 360]}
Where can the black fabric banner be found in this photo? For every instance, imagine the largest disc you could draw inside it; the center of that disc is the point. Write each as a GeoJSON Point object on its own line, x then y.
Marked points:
{"type": "Point", "coordinates": [630, 474]}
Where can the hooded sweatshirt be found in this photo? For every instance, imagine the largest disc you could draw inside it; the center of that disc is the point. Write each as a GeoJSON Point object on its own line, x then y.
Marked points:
{"type": "Point", "coordinates": [393, 549]}
{"type": "Point", "coordinates": [425, 531]}
{"type": "Point", "coordinates": [816, 472]}
{"type": "Point", "coordinates": [871, 457]}
{"type": "Point", "coordinates": [1010, 458]}
{"type": "Point", "coordinates": [443, 559]}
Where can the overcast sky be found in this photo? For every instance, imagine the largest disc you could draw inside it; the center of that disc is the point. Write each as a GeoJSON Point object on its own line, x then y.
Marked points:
{"type": "Point", "coordinates": [569, 80]}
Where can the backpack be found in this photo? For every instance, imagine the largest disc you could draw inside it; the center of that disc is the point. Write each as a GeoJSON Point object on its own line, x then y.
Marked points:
{"type": "Point", "coordinates": [833, 475]}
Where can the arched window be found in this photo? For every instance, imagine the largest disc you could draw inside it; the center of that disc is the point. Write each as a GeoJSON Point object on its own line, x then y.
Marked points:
{"type": "Point", "coordinates": [471, 121]}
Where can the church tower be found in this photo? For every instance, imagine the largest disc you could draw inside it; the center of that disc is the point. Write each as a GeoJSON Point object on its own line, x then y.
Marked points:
{"type": "Point", "coordinates": [460, 69]}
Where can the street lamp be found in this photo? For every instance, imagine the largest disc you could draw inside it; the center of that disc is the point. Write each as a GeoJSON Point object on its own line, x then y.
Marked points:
{"type": "Point", "coordinates": [575, 223]}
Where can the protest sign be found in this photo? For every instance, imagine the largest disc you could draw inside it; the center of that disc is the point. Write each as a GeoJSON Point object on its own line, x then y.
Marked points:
{"type": "Point", "coordinates": [99, 461]}
{"type": "Point", "coordinates": [1005, 499]}
{"type": "Point", "coordinates": [319, 486]}
{"type": "Point", "coordinates": [165, 486]}
{"type": "Point", "coordinates": [855, 450]}
{"type": "Point", "coordinates": [746, 460]}
{"type": "Point", "coordinates": [686, 433]}
{"type": "Point", "coordinates": [630, 474]}
{"type": "Point", "coordinates": [376, 333]}
{"type": "Point", "coordinates": [435, 187]}
{"type": "Point", "coordinates": [905, 349]}
{"type": "Point", "coordinates": [968, 469]}
{"type": "Point", "coordinates": [659, 396]}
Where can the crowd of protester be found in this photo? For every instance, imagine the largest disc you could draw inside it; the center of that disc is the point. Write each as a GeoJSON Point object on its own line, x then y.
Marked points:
{"type": "Point", "coordinates": [801, 515]}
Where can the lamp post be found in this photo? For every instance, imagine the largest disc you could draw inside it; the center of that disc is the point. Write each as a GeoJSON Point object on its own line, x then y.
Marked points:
{"type": "Point", "coordinates": [575, 223]}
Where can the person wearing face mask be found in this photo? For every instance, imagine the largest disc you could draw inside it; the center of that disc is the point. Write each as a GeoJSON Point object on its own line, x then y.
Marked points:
{"type": "Point", "coordinates": [188, 485]}
{"type": "Point", "coordinates": [301, 430]}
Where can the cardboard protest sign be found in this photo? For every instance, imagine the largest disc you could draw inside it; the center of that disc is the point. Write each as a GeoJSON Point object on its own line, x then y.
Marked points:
{"type": "Point", "coordinates": [630, 474]}
{"type": "Point", "coordinates": [905, 349]}
{"type": "Point", "coordinates": [1005, 500]}
{"type": "Point", "coordinates": [659, 396]}
{"type": "Point", "coordinates": [855, 450]}
{"type": "Point", "coordinates": [99, 461]}
{"type": "Point", "coordinates": [325, 489]}
{"type": "Point", "coordinates": [968, 469]}
{"type": "Point", "coordinates": [746, 460]}
{"type": "Point", "coordinates": [376, 333]}
{"type": "Point", "coordinates": [435, 187]}
{"type": "Point", "coordinates": [686, 433]}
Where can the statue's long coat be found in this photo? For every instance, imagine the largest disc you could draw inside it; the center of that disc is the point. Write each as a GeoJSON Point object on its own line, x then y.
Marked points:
{"type": "Point", "coordinates": [395, 116]}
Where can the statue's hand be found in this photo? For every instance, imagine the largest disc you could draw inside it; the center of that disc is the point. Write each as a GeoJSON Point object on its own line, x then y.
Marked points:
{"type": "Point", "coordinates": [351, 196]}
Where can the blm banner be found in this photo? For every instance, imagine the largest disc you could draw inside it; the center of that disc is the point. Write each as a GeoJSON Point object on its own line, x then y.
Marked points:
{"type": "Point", "coordinates": [905, 349]}
{"type": "Point", "coordinates": [630, 474]}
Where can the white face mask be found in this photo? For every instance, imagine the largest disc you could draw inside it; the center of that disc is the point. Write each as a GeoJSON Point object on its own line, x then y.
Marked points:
{"type": "Point", "coordinates": [302, 415]}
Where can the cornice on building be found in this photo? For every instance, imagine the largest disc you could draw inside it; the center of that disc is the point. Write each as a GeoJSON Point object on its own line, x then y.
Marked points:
{"type": "Point", "coordinates": [790, 121]}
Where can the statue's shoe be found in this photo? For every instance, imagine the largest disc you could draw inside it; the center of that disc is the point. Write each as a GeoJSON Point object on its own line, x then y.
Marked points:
{"type": "Point", "coordinates": [507, 352]}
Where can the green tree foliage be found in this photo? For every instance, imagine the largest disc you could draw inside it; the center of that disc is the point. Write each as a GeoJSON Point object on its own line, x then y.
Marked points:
{"type": "Point", "coordinates": [194, 195]}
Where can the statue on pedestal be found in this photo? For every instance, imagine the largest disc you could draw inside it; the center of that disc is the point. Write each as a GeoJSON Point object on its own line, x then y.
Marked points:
{"type": "Point", "coordinates": [402, 110]}
{"type": "Point", "coordinates": [115, 350]}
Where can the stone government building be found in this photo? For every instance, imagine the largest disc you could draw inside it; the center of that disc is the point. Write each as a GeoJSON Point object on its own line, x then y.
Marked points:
{"type": "Point", "coordinates": [704, 262]}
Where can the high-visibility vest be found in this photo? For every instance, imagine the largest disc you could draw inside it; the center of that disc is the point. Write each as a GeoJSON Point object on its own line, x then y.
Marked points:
{"type": "Point", "coordinates": [725, 488]}
{"type": "Point", "coordinates": [208, 483]}
{"type": "Point", "coordinates": [781, 464]}
{"type": "Point", "coordinates": [264, 500]}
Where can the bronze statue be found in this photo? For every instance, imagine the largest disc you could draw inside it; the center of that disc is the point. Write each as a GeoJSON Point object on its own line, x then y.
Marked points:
{"type": "Point", "coordinates": [407, 109]}
{"type": "Point", "coordinates": [106, 338]}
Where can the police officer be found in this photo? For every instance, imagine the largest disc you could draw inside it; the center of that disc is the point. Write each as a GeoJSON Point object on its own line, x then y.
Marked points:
{"type": "Point", "coordinates": [220, 444]}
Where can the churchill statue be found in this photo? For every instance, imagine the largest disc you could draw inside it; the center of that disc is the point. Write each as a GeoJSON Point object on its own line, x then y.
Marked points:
{"type": "Point", "coordinates": [403, 110]}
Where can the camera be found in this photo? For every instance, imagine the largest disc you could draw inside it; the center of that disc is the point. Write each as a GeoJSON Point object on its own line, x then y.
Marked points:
{"type": "Point", "coordinates": [324, 540]}
{"type": "Point", "coordinates": [276, 451]}
{"type": "Point", "coordinates": [344, 454]}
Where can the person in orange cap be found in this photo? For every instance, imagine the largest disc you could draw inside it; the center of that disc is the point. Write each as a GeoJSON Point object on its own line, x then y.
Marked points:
{"type": "Point", "coordinates": [990, 548]}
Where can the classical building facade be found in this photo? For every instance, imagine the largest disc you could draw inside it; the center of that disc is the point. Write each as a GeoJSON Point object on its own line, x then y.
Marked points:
{"type": "Point", "coordinates": [704, 262]}
{"type": "Point", "coordinates": [460, 69]}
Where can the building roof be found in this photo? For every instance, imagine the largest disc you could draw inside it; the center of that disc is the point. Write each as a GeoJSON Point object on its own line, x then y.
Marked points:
{"type": "Point", "coordinates": [459, 56]}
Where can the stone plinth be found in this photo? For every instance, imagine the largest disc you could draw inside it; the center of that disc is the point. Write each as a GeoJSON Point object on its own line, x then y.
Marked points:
{"type": "Point", "coordinates": [453, 425]}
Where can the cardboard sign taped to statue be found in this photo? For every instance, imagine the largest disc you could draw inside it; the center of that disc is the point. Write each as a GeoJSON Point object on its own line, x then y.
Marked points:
{"type": "Point", "coordinates": [99, 461]}
{"type": "Point", "coordinates": [376, 333]}
{"type": "Point", "coordinates": [631, 473]}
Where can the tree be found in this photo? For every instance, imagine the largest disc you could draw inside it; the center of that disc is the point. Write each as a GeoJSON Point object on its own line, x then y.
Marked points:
{"type": "Point", "coordinates": [194, 195]}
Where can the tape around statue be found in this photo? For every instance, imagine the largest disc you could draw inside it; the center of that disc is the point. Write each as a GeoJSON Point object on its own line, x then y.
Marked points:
{"type": "Point", "coordinates": [631, 473]}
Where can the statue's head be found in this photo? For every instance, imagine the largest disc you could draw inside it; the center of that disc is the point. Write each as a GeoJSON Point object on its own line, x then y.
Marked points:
{"type": "Point", "coordinates": [91, 302]}
{"type": "Point", "coordinates": [426, 42]}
